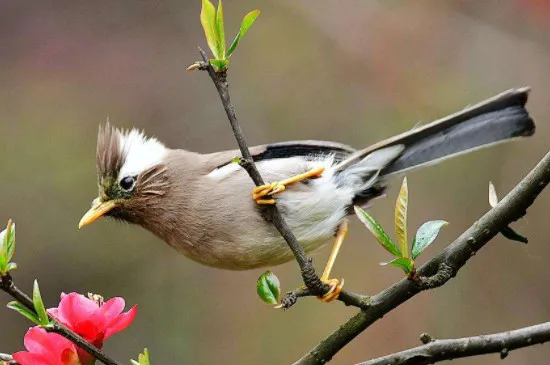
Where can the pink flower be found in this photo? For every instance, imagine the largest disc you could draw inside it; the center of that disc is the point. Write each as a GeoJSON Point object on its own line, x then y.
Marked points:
{"type": "Point", "coordinates": [46, 349]}
{"type": "Point", "coordinates": [92, 320]}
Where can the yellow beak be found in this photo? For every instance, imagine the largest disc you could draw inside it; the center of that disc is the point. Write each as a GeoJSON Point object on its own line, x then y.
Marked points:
{"type": "Point", "coordinates": [97, 211]}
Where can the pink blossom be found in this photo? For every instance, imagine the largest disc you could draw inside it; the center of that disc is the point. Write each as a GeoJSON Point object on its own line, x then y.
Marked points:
{"type": "Point", "coordinates": [45, 348]}
{"type": "Point", "coordinates": [92, 320]}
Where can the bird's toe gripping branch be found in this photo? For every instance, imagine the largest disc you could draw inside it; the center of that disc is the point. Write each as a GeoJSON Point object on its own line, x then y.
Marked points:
{"type": "Point", "coordinates": [264, 194]}
{"type": "Point", "coordinates": [335, 284]}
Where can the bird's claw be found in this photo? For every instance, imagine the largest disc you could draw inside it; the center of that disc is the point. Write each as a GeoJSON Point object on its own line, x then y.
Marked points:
{"type": "Point", "coordinates": [259, 193]}
{"type": "Point", "coordinates": [336, 286]}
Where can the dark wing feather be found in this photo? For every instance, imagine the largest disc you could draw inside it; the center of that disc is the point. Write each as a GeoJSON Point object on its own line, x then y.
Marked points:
{"type": "Point", "coordinates": [308, 149]}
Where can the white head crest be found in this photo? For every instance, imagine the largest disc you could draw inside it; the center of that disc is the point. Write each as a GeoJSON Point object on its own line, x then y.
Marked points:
{"type": "Point", "coordinates": [141, 152]}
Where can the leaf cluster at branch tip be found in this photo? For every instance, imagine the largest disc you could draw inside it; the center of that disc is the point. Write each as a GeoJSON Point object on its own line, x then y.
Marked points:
{"type": "Point", "coordinates": [425, 235]}
{"type": "Point", "coordinates": [143, 359]}
{"type": "Point", "coordinates": [214, 30]}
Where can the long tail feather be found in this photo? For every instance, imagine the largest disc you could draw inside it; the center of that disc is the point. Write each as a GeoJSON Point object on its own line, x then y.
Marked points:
{"type": "Point", "coordinates": [495, 120]}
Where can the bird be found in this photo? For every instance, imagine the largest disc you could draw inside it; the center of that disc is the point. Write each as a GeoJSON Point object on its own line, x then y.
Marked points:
{"type": "Point", "coordinates": [207, 208]}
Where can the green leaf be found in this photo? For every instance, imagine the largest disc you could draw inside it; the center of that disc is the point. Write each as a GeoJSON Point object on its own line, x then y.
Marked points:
{"type": "Point", "coordinates": [21, 309]}
{"type": "Point", "coordinates": [10, 240]}
{"type": "Point", "coordinates": [269, 287]}
{"type": "Point", "coordinates": [404, 263]}
{"type": "Point", "coordinates": [3, 264]}
{"type": "Point", "coordinates": [11, 266]}
{"type": "Point", "coordinates": [143, 359]}
{"type": "Point", "coordinates": [513, 235]}
{"type": "Point", "coordinates": [377, 231]}
{"type": "Point", "coordinates": [247, 22]}
{"type": "Point", "coordinates": [39, 305]}
{"type": "Point", "coordinates": [7, 246]}
{"type": "Point", "coordinates": [425, 235]}
{"type": "Point", "coordinates": [3, 240]}
{"type": "Point", "coordinates": [219, 64]}
{"type": "Point", "coordinates": [220, 31]}
{"type": "Point", "coordinates": [401, 218]}
{"type": "Point", "coordinates": [208, 21]}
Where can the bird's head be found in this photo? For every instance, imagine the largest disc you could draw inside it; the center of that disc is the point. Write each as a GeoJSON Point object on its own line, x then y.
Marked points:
{"type": "Point", "coordinates": [130, 175]}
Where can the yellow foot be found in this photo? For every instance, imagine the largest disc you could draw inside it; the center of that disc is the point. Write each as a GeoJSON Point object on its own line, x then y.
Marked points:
{"type": "Point", "coordinates": [260, 193]}
{"type": "Point", "coordinates": [335, 284]}
{"type": "Point", "coordinates": [334, 291]}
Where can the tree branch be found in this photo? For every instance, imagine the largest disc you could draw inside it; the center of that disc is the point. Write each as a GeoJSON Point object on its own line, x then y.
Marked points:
{"type": "Point", "coordinates": [314, 285]}
{"type": "Point", "coordinates": [7, 284]}
{"type": "Point", "coordinates": [440, 350]}
{"type": "Point", "coordinates": [450, 260]}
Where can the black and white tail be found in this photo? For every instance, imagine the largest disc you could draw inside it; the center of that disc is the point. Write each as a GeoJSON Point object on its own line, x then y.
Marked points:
{"type": "Point", "coordinates": [496, 120]}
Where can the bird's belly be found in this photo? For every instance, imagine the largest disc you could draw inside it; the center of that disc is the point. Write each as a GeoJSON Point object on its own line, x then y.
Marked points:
{"type": "Point", "coordinates": [253, 252]}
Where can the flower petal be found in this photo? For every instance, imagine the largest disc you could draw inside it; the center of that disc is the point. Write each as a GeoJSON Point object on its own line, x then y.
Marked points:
{"type": "Point", "coordinates": [74, 308]}
{"type": "Point", "coordinates": [69, 357]}
{"type": "Point", "coordinates": [44, 348]}
{"type": "Point", "coordinates": [113, 307]}
{"type": "Point", "coordinates": [60, 343]}
{"type": "Point", "coordinates": [28, 358]}
{"type": "Point", "coordinates": [90, 330]}
{"type": "Point", "coordinates": [58, 314]}
{"type": "Point", "coordinates": [40, 342]}
{"type": "Point", "coordinates": [54, 312]}
{"type": "Point", "coordinates": [121, 322]}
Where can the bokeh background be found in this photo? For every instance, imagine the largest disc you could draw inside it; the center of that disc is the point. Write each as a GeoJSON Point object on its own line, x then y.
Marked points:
{"type": "Point", "coordinates": [351, 71]}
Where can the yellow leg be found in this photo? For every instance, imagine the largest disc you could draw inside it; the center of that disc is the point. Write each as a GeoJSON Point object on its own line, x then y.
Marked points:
{"type": "Point", "coordinates": [262, 191]}
{"type": "Point", "coordinates": [335, 284]}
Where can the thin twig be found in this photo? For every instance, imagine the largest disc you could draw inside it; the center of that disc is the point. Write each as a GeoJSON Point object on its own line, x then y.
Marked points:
{"type": "Point", "coordinates": [7, 284]}
{"type": "Point", "coordinates": [311, 279]}
{"type": "Point", "coordinates": [314, 285]}
{"type": "Point", "coordinates": [440, 350]}
{"type": "Point", "coordinates": [510, 209]}
{"type": "Point", "coordinates": [348, 298]}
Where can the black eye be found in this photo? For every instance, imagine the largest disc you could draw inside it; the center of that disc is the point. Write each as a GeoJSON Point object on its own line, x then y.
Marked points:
{"type": "Point", "coordinates": [127, 183]}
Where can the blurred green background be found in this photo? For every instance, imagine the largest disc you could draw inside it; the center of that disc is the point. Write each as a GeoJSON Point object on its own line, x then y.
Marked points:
{"type": "Point", "coordinates": [351, 71]}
